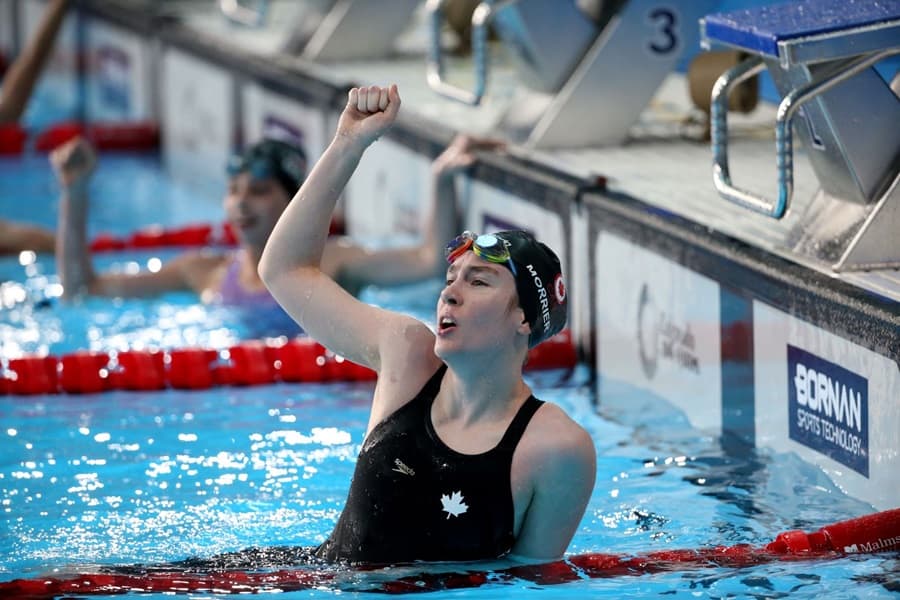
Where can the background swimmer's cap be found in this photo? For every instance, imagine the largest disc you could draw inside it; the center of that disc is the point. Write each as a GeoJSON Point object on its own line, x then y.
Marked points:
{"type": "Point", "coordinates": [280, 160]}
{"type": "Point", "coordinates": [540, 284]}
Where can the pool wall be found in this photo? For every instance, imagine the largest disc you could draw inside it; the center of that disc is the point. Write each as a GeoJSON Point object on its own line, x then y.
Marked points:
{"type": "Point", "coordinates": [750, 346]}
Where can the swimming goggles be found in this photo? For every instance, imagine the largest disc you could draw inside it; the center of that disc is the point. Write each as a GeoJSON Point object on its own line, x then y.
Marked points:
{"type": "Point", "coordinates": [487, 246]}
{"type": "Point", "coordinates": [258, 167]}
{"type": "Point", "coordinates": [269, 160]}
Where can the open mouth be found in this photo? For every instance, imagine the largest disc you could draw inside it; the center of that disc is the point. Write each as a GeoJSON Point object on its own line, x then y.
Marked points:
{"type": "Point", "coordinates": [445, 324]}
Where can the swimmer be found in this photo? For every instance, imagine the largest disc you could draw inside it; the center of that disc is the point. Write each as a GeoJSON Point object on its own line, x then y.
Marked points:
{"type": "Point", "coordinates": [460, 461]}
{"type": "Point", "coordinates": [262, 181]}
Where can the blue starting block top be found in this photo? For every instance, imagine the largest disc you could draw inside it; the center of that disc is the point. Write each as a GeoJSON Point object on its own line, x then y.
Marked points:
{"type": "Point", "coordinates": [808, 30]}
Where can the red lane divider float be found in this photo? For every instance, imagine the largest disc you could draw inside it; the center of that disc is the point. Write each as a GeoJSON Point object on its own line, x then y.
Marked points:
{"type": "Point", "coordinates": [196, 235]}
{"type": "Point", "coordinates": [248, 363]}
{"type": "Point", "coordinates": [12, 139]}
{"type": "Point", "coordinates": [879, 532]}
{"type": "Point", "coordinates": [193, 235]}
{"type": "Point", "coordinates": [132, 135]}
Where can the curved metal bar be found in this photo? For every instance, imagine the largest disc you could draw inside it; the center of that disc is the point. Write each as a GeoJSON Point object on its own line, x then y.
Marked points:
{"type": "Point", "coordinates": [784, 145]}
{"type": "Point", "coordinates": [718, 113]}
{"type": "Point", "coordinates": [240, 14]}
{"type": "Point", "coordinates": [481, 18]}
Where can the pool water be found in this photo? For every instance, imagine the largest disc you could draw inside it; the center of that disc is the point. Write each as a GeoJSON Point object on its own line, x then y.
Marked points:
{"type": "Point", "coordinates": [122, 478]}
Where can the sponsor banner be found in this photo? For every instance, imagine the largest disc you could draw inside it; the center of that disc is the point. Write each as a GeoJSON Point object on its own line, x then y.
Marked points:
{"type": "Point", "coordinates": [385, 202]}
{"type": "Point", "coordinates": [119, 71]}
{"type": "Point", "coordinates": [270, 115]}
{"type": "Point", "coordinates": [198, 119]}
{"type": "Point", "coordinates": [828, 409]}
{"type": "Point", "coordinates": [490, 209]}
{"type": "Point", "coordinates": [832, 402]}
{"type": "Point", "coordinates": [658, 328]}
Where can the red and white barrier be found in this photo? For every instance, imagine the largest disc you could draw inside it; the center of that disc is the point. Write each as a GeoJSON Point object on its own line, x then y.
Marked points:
{"type": "Point", "coordinates": [137, 135]}
{"type": "Point", "coordinates": [879, 532]}
{"type": "Point", "coordinates": [247, 363]}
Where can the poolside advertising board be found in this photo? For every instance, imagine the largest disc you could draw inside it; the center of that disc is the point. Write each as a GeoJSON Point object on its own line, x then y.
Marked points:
{"type": "Point", "coordinates": [119, 69]}
{"type": "Point", "coordinates": [266, 114]}
{"type": "Point", "coordinates": [657, 329]}
{"type": "Point", "coordinates": [830, 401]}
{"type": "Point", "coordinates": [387, 196]}
{"type": "Point", "coordinates": [492, 209]}
{"type": "Point", "coordinates": [198, 124]}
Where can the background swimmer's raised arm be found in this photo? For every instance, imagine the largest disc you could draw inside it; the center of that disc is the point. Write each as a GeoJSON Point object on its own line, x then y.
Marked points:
{"type": "Point", "coordinates": [424, 260]}
{"type": "Point", "coordinates": [290, 265]}
{"type": "Point", "coordinates": [74, 163]}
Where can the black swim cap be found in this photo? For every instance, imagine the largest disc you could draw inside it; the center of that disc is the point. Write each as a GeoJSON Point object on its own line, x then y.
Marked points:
{"type": "Point", "coordinates": [539, 283]}
{"type": "Point", "coordinates": [280, 160]}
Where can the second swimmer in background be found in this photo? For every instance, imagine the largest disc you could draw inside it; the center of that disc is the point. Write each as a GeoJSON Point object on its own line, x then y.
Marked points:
{"type": "Point", "coordinates": [262, 181]}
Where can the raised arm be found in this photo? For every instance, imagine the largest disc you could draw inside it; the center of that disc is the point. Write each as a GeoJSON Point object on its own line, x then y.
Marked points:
{"type": "Point", "coordinates": [425, 259]}
{"type": "Point", "coordinates": [74, 162]}
{"type": "Point", "coordinates": [290, 264]}
{"type": "Point", "coordinates": [25, 70]}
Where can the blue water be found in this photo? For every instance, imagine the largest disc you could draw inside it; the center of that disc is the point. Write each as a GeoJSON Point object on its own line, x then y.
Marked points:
{"type": "Point", "coordinates": [123, 478]}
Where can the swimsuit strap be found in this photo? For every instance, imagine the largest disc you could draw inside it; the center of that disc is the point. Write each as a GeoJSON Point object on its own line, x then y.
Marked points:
{"type": "Point", "coordinates": [430, 390]}
{"type": "Point", "coordinates": [519, 423]}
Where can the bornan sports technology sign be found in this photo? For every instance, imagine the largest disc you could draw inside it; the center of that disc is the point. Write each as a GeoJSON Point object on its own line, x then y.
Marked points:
{"type": "Point", "coordinates": [828, 409]}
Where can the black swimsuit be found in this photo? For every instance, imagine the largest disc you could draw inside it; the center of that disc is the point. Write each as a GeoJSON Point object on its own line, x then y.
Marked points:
{"type": "Point", "coordinates": [414, 498]}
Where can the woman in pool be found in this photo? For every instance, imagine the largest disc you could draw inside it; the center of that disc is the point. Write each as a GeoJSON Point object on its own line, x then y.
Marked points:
{"type": "Point", "coordinates": [262, 181]}
{"type": "Point", "coordinates": [460, 461]}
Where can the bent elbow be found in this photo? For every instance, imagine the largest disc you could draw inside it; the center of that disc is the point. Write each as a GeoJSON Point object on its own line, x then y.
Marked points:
{"type": "Point", "coordinates": [269, 269]}
{"type": "Point", "coordinates": [265, 270]}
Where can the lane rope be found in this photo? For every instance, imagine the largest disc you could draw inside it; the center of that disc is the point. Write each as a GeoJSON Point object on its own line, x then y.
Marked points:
{"type": "Point", "coordinates": [875, 533]}
{"type": "Point", "coordinates": [253, 362]}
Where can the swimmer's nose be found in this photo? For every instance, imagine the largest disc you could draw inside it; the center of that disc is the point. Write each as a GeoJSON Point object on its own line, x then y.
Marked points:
{"type": "Point", "coordinates": [449, 296]}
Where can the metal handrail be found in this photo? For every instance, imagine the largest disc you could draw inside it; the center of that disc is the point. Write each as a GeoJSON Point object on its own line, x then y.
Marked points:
{"type": "Point", "coordinates": [240, 14]}
{"type": "Point", "coordinates": [481, 18]}
{"type": "Point", "coordinates": [784, 151]}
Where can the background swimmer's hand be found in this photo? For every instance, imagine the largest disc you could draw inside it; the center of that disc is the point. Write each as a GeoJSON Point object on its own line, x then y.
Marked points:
{"type": "Point", "coordinates": [460, 154]}
{"type": "Point", "coordinates": [370, 111]}
{"type": "Point", "coordinates": [73, 161]}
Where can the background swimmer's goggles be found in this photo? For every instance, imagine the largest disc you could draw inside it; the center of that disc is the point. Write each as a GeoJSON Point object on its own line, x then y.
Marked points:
{"type": "Point", "coordinates": [271, 159]}
{"type": "Point", "coordinates": [487, 246]}
{"type": "Point", "coordinates": [259, 167]}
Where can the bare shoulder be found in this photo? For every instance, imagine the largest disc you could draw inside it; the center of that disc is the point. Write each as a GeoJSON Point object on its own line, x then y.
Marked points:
{"type": "Point", "coordinates": [202, 258]}
{"type": "Point", "coordinates": [199, 267]}
{"type": "Point", "coordinates": [553, 436]}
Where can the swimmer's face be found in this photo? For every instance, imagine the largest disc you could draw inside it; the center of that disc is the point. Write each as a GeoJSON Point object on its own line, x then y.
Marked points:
{"type": "Point", "coordinates": [478, 309]}
{"type": "Point", "coordinates": [253, 205]}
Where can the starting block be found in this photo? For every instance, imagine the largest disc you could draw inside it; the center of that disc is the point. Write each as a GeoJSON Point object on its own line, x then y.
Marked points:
{"type": "Point", "coordinates": [821, 55]}
{"type": "Point", "coordinates": [591, 75]}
